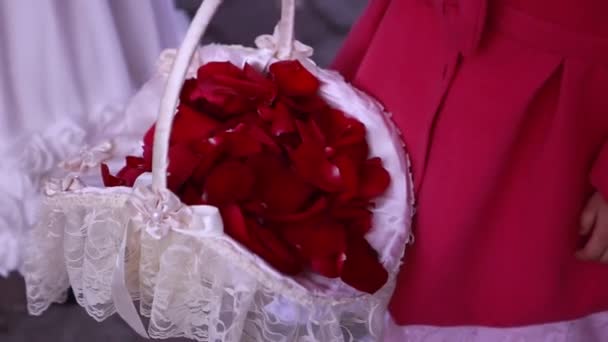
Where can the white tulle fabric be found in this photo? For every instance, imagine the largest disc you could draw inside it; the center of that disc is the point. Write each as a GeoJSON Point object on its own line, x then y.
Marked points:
{"type": "Point", "coordinates": [193, 281]}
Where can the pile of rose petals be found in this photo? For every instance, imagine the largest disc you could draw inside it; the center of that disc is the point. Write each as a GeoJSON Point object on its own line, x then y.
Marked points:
{"type": "Point", "coordinates": [291, 175]}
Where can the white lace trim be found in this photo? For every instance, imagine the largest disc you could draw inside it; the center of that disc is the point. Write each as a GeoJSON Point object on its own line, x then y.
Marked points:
{"type": "Point", "coordinates": [27, 163]}
{"type": "Point", "coordinates": [196, 288]}
{"type": "Point", "coordinates": [592, 328]}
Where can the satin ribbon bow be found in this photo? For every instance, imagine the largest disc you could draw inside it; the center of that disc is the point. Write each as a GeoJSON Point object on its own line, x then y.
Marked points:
{"type": "Point", "coordinates": [88, 157]}
{"type": "Point", "coordinates": [270, 42]}
{"type": "Point", "coordinates": [158, 213]}
{"type": "Point", "coordinates": [56, 186]}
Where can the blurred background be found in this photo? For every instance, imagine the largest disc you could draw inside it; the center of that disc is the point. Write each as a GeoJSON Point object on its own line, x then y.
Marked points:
{"type": "Point", "coordinates": [323, 24]}
{"type": "Point", "coordinates": [319, 23]}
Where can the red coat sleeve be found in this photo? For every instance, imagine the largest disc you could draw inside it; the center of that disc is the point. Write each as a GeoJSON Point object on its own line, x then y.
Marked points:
{"type": "Point", "coordinates": [599, 173]}
{"type": "Point", "coordinates": [356, 44]}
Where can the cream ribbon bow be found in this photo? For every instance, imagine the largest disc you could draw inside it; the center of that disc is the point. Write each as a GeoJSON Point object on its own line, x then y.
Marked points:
{"type": "Point", "coordinates": [88, 157]}
{"type": "Point", "coordinates": [56, 186]}
{"type": "Point", "coordinates": [271, 43]}
{"type": "Point", "coordinates": [158, 213]}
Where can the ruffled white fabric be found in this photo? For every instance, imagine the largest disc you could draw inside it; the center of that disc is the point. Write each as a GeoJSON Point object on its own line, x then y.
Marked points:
{"type": "Point", "coordinates": [67, 58]}
{"type": "Point", "coordinates": [67, 68]}
{"type": "Point", "coordinates": [593, 328]}
{"type": "Point", "coordinates": [191, 279]}
{"type": "Point", "coordinates": [26, 170]}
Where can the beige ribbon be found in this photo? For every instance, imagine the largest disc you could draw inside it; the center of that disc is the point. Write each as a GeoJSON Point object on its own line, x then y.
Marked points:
{"type": "Point", "coordinates": [89, 157]}
{"type": "Point", "coordinates": [271, 43]}
{"type": "Point", "coordinates": [56, 186]}
{"type": "Point", "coordinates": [158, 213]}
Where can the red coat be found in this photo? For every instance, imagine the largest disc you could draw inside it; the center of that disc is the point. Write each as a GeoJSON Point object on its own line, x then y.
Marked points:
{"type": "Point", "coordinates": [504, 108]}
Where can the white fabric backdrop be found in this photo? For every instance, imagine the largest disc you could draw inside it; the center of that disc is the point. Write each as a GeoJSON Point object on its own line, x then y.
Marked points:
{"type": "Point", "coordinates": [64, 65]}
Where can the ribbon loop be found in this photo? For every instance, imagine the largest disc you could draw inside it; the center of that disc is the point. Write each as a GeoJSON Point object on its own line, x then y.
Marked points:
{"type": "Point", "coordinates": [56, 186]}
{"type": "Point", "coordinates": [271, 43]}
{"type": "Point", "coordinates": [89, 157]}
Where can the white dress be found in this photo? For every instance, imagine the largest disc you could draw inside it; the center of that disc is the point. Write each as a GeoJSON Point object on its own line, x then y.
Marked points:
{"type": "Point", "coordinates": [66, 68]}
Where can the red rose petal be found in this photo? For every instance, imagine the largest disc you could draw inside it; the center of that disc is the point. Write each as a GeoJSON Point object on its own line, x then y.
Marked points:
{"type": "Point", "coordinates": [280, 118]}
{"type": "Point", "coordinates": [253, 74]}
{"type": "Point", "coordinates": [209, 151]}
{"type": "Point", "coordinates": [230, 90]}
{"type": "Point", "coordinates": [149, 136]}
{"type": "Point", "coordinates": [358, 152]}
{"type": "Point", "coordinates": [289, 140]}
{"type": "Point", "coordinates": [243, 86]}
{"type": "Point", "coordinates": [240, 142]}
{"type": "Point", "coordinates": [185, 95]}
{"type": "Point", "coordinates": [182, 163]}
{"type": "Point", "coordinates": [293, 79]}
{"type": "Point", "coordinates": [148, 143]}
{"type": "Point", "coordinates": [129, 175]}
{"type": "Point", "coordinates": [362, 269]}
{"type": "Point", "coordinates": [190, 125]}
{"type": "Point", "coordinates": [310, 159]}
{"type": "Point", "coordinates": [305, 106]}
{"type": "Point", "coordinates": [310, 133]}
{"type": "Point", "coordinates": [349, 209]}
{"type": "Point", "coordinates": [277, 186]}
{"type": "Point", "coordinates": [352, 132]}
{"type": "Point", "coordinates": [253, 208]}
{"type": "Point", "coordinates": [330, 267]}
{"type": "Point", "coordinates": [108, 179]}
{"type": "Point", "coordinates": [349, 175]}
{"type": "Point", "coordinates": [229, 182]}
{"type": "Point", "coordinates": [343, 133]}
{"type": "Point", "coordinates": [138, 163]}
{"type": "Point", "coordinates": [211, 69]}
{"type": "Point", "coordinates": [276, 252]}
{"type": "Point", "coordinates": [260, 135]}
{"type": "Point", "coordinates": [362, 224]}
{"type": "Point", "coordinates": [316, 237]}
{"type": "Point", "coordinates": [330, 121]}
{"type": "Point", "coordinates": [375, 179]}
{"type": "Point", "coordinates": [315, 209]}
{"type": "Point", "coordinates": [357, 217]}
{"type": "Point", "coordinates": [270, 89]}
{"type": "Point", "coordinates": [191, 195]}
{"type": "Point", "coordinates": [234, 224]}
{"type": "Point", "coordinates": [225, 101]}
{"type": "Point", "coordinates": [327, 238]}
{"type": "Point", "coordinates": [312, 165]}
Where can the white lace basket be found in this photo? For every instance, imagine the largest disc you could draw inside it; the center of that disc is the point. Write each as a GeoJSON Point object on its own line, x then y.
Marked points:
{"type": "Point", "coordinates": [114, 247]}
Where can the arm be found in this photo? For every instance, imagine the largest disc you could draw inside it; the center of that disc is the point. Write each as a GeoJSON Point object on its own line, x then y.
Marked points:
{"type": "Point", "coordinates": [594, 219]}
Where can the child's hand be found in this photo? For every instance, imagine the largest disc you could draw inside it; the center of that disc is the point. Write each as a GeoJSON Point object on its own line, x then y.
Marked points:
{"type": "Point", "coordinates": [594, 221]}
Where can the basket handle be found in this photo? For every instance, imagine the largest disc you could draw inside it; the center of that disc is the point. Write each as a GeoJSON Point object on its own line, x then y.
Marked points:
{"type": "Point", "coordinates": [168, 104]}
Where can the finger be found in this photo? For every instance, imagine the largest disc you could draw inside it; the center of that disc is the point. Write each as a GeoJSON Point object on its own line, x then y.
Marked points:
{"type": "Point", "coordinates": [587, 221]}
{"type": "Point", "coordinates": [597, 244]}
{"type": "Point", "coordinates": [588, 217]}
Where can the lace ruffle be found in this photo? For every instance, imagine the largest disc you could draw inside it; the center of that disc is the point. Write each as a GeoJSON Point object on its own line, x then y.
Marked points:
{"type": "Point", "coordinates": [195, 288]}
